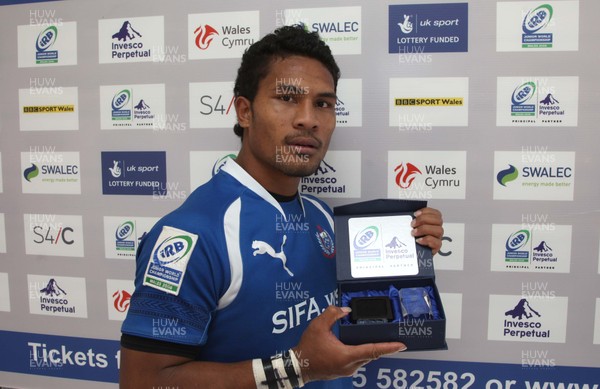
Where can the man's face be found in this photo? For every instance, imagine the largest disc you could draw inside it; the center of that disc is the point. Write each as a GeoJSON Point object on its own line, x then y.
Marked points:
{"type": "Point", "coordinates": [290, 122]}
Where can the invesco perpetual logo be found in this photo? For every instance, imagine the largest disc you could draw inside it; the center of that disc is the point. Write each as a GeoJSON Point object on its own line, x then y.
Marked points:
{"type": "Point", "coordinates": [366, 237]}
{"type": "Point", "coordinates": [124, 231]}
{"type": "Point", "coordinates": [523, 93]}
{"type": "Point", "coordinates": [121, 99]}
{"type": "Point", "coordinates": [517, 240]}
{"type": "Point", "coordinates": [46, 38]}
{"type": "Point", "coordinates": [507, 175]}
{"type": "Point", "coordinates": [172, 249]}
{"type": "Point", "coordinates": [537, 18]}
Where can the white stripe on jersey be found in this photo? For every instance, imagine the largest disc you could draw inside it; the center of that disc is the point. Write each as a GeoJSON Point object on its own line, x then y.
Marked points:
{"type": "Point", "coordinates": [231, 223]}
{"type": "Point", "coordinates": [320, 208]}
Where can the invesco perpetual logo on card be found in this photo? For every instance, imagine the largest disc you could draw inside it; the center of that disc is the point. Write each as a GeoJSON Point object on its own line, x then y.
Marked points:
{"type": "Point", "coordinates": [382, 246]}
{"type": "Point", "coordinates": [168, 262]}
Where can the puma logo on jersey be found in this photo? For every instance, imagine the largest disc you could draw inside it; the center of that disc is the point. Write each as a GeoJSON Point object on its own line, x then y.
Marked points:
{"type": "Point", "coordinates": [261, 247]}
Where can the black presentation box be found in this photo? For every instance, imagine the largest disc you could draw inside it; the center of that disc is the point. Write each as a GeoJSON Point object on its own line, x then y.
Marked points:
{"type": "Point", "coordinates": [375, 257]}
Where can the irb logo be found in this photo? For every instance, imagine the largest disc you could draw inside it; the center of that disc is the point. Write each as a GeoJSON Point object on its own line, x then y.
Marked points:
{"type": "Point", "coordinates": [517, 240]}
{"type": "Point", "coordinates": [124, 231]}
{"type": "Point", "coordinates": [121, 99]}
{"type": "Point", "coordinates": [172, 249]}
{"type": "Point", "coordinates": [46, 38]}
{"type": "Point", "coordinates": [366, 237]}
{"type": "Point", "coordinates": [537, 19]}
{"type": "Point", "coordinates": [523, 93]}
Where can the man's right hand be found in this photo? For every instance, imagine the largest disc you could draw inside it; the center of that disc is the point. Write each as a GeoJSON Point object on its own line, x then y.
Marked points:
{"type": "Point", "coordinates": [323, 357]}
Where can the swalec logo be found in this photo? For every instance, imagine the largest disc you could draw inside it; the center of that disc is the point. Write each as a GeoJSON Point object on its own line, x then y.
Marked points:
{"type": "Point", "coordinates": [31, 172]}
{"type": "Point", "coordinates": [507, 175]}
{"type": "Point", "coordinates": [172, 249]}
{"type": "Point", "coordinates": [46, 40]}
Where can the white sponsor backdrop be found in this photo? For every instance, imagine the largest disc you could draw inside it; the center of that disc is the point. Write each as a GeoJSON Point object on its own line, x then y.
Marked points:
{"type": "Point", "coordinates": [502, 138]}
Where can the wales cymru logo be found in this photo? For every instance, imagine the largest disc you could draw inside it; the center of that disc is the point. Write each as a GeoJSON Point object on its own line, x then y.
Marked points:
{"type": "Point", "coordinates": [44, 42]}
{"type": "Point", "coordinates": [204, 36]}
{"type": "Point", "coordinates": [406, 174]}
{"type": "Point", "coordinates": [507, 175]}
{"type": "Point", "coordinates": [121, 300]}
{"type": "Point", "coordinates": [534, 24]}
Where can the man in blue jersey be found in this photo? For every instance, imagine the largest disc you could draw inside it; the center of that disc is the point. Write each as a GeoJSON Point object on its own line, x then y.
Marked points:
{"type": "Point", "coordinates": [236, 288]}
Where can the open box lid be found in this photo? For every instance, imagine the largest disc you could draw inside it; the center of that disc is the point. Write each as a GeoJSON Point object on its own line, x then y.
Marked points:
{"type": "Point", "coordinates": [373, 241]}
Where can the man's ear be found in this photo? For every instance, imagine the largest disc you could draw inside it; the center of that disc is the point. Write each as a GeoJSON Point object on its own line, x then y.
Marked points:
{"type": "Point", "coordinates": [243, 109]}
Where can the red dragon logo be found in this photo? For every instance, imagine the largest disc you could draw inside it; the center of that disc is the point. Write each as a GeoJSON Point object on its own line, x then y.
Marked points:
{"type": "Point", "coordinates": [121, 300]}
{"type": "Point", "coordinates": [406, 174]}
{"type": "Point", "coordinates": [204, 35]}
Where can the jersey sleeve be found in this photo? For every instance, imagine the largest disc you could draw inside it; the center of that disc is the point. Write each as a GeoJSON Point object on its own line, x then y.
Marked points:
{"type": "Point", "coordinates": [180, 276]}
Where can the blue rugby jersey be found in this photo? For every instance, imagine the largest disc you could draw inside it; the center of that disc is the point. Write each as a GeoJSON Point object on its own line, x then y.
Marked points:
{"type": "Point", "coordinates": [235, 272]}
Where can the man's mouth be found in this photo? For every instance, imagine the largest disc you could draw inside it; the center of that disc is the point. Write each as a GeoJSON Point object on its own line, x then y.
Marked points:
{"type": "Point", "coordinates": [304, 145]}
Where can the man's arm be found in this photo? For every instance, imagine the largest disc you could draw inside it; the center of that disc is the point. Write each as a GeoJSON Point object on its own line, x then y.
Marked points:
{"type": "Point", "coordinates": [321, 355]}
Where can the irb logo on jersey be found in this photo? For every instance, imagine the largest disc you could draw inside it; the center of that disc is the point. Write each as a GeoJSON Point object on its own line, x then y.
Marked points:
{"type": "Point", "coordinates": [172, 250]}
{"type": "Point", "coordinates": [168, 260]}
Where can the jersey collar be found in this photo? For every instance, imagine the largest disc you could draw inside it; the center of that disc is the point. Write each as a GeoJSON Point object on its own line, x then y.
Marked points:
{"type": "Point", "coordinates": [236, 171]}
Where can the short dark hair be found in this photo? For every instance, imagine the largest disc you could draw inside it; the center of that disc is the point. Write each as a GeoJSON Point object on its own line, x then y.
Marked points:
{"type": "Point", "coordinates": [284, 42]}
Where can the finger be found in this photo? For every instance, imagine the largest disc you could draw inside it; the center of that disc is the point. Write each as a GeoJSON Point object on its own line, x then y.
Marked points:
{"type": "Point", "coordinates": [432, 230]}
{"type": "Point", "coordinates": [370, 351]}
{"type": "Point", "coordinates": [434, 243]}
{"type": "Point", "coordinates": [331, 315]}
{"type": "Point", "coordinates": [431, 217]}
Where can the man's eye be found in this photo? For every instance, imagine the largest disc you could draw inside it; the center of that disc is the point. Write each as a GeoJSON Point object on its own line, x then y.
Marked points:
{"type": "Point", "coordinates": [324, 104]}
{"type": "Point", "coordinates": [286, 97]}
